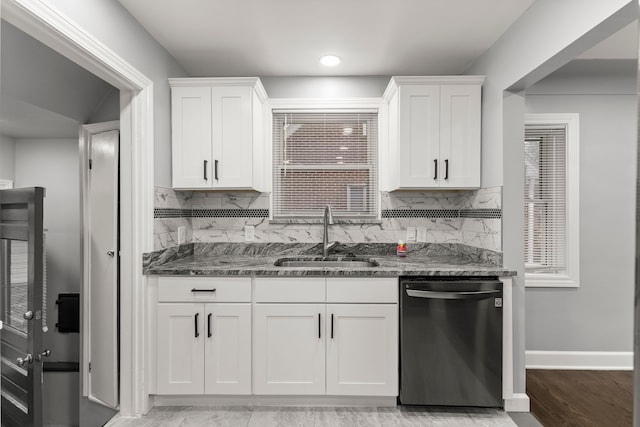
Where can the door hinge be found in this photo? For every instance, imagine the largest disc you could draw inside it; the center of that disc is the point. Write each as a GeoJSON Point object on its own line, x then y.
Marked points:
{"type": "Point", "coordinates": [90, 164]}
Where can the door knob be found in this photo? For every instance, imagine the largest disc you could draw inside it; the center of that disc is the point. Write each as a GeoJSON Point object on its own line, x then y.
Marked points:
{"type": "Point", "coordinates": [111, 253]}
{"type": "Point", "coordinates": [28, 315]}
{"type": "Point", "coordinates": [28, 359]}
{"type": "Point", "coordinates": [45, 353]}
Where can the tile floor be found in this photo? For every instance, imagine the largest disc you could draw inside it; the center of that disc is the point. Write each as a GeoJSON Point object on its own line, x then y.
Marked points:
{"type": "Point", "coordinates": [315, 417]}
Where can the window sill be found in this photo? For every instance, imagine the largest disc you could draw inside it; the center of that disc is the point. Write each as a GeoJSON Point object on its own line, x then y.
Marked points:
{"type": "Point", "coordinates": [549, 281]}
{"type": "Point", "coordinates": [338, 221]}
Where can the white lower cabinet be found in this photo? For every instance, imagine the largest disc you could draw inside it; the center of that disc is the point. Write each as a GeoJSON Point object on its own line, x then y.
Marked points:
{"type": "Point", "coordinates": [313, 348]}
{"type": "Point", "coordinates": [204, 348]}
{"type": "Point", "coordinates": [362, 349]}
{"type": "Point", "coordinates": [289, 349]}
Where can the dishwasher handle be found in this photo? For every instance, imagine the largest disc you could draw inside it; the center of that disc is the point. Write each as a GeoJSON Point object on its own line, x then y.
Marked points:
{"type": "Point", "coordinates": [468, 295]}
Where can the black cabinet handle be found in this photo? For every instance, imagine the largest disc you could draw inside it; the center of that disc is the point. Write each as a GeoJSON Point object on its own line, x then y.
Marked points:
{"type": "Point", "coordinates": [446, 169]}
{"type": "Point", "coordinates": [203, 290]}
{"type": "Point", "coordinates": [435, 168]}
{"type": "Point", "coordinates": [205, 170]}
{"type": "Point", "coordinates": [215, 169]}
{"type": "Point", "coordinates": [209, 325]}
{"type": "Point", "coordinates": [319, 327]}
{"type": "Point", "coordinates": [197, 334]}
{"type": "Point", "coordinates": [331, 325]}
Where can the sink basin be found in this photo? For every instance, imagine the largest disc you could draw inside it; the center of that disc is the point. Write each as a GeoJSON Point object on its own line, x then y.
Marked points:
{"type": "Point", "coordinates": [326, 262]}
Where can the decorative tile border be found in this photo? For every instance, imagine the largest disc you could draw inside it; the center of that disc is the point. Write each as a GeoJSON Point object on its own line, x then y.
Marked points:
{"type": "Point", "coordinates": [481, 213]}
{"type": "Point", "coordinates": [210, 213]}
{"type": "Point", "coordinates": [171, 213]}
{"type": "Point", "coordinates": [386, 213]}
{"type": "Point", "coordinates": [442, 213]}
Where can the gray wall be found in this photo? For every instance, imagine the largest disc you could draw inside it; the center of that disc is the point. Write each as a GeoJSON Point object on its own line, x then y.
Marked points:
{"type": "Point", "coordinates": [548, 35]}
{"type": "Point", "coordinates": [111, 23]}
{"type": "Point", "coordinates": [7, 155]}
{"type": "Point", "coordinates": [598, 316]}
{"type": "Point", "coordinates": [53, 164]}
{"type": "Point", "coordinates": [325, 87]}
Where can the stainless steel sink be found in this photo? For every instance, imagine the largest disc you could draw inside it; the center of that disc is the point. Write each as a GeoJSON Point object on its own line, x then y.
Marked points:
{"type": "Point", "coordinates": [326, 262]}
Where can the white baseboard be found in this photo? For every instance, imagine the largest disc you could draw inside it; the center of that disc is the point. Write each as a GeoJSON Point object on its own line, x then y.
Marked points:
{"type": "Point", "coordinates": [253, 400]}
{"type": "Point", "coordinates": [584, 360]}
{"type": "Point", "coordinates": [518, 403]}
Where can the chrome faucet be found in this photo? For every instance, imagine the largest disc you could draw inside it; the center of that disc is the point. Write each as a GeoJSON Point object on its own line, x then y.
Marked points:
{"type": "Point", "coordinates": [328, 220]}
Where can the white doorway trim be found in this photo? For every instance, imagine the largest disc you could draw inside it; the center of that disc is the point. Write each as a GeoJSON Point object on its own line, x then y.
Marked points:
{"type": "Point", "coordinates": [45, 23]}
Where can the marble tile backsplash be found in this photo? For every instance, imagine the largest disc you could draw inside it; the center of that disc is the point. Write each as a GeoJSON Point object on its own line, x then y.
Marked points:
{"type": "Point", "coordinates": [469, 217]}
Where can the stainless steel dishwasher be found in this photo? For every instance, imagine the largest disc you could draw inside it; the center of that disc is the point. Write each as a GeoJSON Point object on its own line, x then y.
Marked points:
{"type": "Point", "coordinates": [451, 341]}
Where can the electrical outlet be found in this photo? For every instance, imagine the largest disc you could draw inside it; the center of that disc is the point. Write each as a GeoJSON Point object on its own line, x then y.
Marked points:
{"type": "Point", "coordinates": [181, 235]}
{"type": "Point", "coordinates": [411, 234]}
{"type": "Point", "coordinates": [422, 234]}
{"type": "Point", "coordinates": [249, 233]}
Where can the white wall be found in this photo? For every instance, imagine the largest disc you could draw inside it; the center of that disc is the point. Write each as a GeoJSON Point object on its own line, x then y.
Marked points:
{"type": "Point", "coordinates": [548, 35]}
{"type": "Point", "coordinates": [7, 155]}
{"type": "Point", "coordinates": [111, 23]}
{"type": "Point", "coordinates": [598, 316]}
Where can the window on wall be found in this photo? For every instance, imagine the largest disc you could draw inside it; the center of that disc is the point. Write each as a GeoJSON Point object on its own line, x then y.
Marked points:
{"type": "Point", "coordinates": [551, 247]}
{"type": "Point", "coordinates": [321, 158]}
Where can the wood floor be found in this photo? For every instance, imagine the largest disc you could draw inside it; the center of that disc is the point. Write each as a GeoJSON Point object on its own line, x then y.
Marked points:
{"type": "Point", "coordinates": [581, 398]}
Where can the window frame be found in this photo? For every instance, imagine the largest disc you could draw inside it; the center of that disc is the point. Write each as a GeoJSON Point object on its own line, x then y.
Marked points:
{"type": "Point", "coordinates": [315, 105]}
{"type": "Point", "coordinates": [570, 278]}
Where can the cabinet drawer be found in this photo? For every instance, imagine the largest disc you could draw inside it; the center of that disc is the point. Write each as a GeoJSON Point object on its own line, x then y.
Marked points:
{"type": "Point", "coordinates": [200, 289]}
{"type": "Point", "coordinates": [290, 289]}
{"type": "Point", "coordinates": [364, 290]}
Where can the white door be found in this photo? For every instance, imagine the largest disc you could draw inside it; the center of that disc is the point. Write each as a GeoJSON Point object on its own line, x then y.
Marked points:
{"type": "Point", "coordinates": [191, 137]}
{"type": "Point", "coordinates": [419, 136]}
{"type": "Point", "coordinates": [362, 349]}
{"type": "Point", "coordinates": [227, 349]}
{"type": "Point", "coordinates": [21, 297]}
{"type": "Point", "coordinates": [289, 346]}
{"type": "Point", "coordinates": [180, 346]}
{"type": "Point", "coordinates": [460, 136]}
{"type": "Point", "coordinates": [232, 137]}
{"type": "Point", "coordinates": [103, 264]}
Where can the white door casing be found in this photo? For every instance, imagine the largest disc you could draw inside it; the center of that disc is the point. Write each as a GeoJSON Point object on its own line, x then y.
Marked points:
{"type": "Point", "coordinates": [101, 264]}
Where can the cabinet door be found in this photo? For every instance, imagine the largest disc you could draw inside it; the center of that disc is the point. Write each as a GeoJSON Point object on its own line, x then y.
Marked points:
{"type": "Point", "coordinates": [362, 349]}
{"type": "Point", "coordinates": [191, 137]}
{"type": "Point", "coordinates": [227, 352]}
{"type": "Point", "coordinates": [419, 136]}
{"type": "Point", "coordinates": [460, 136]}
{"type": "Point", "coordinates": [289, 346]}
{"type": "Point", "coordinates": [232, 137]}
{"type": "Point", "coordinates": [180, 349]}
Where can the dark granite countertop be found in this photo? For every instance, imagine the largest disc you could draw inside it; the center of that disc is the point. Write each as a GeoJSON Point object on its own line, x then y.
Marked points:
{"type": "Point", "coordinates": [238, 259]}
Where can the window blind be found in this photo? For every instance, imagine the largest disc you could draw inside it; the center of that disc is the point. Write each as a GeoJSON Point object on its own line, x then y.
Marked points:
{"type": "Point", "coordinates": [545, 224]}
{"type": "Point", "coordinates": [325, 157]}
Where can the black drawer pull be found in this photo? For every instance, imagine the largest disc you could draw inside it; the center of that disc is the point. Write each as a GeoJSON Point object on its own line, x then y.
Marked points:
{"type": "Point", "coordinates": [331, 325]}
{"type": "Point", "coordinates": [205, 170]}
{"type": "Point", "coordinates": [203, 290]}
{"type": "Point", "coordinates": [209, 334]}
{"type": "Point", "coordinates": [319, 326]}
{"type": "Point", "coordinates": [435, 168]}
{"type": "Point", "coordinates": [197, 334]}
{"type": "Point", "coordinates": [446, 169]}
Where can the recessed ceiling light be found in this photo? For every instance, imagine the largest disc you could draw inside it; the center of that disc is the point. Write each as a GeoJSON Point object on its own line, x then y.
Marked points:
{"type": "Point", "coordinates": [347, 131]}
{"type": "Point", "coordinates": [330, 60]}
{"type": "Point", "coordinates": [339, 157]}
{"type": "Point", "coordinates": [343, 148]}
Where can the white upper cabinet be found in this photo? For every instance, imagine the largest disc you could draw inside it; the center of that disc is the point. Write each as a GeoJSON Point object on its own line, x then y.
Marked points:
{"type": "Point", "coordinates": [218, 133]}
{"type": "Point", "coordinates": [434, 132]}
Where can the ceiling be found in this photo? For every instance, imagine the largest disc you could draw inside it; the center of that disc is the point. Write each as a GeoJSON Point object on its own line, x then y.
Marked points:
{"type": "Point", "coordinates": [288, 37]}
